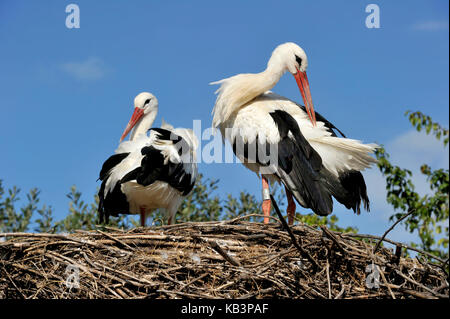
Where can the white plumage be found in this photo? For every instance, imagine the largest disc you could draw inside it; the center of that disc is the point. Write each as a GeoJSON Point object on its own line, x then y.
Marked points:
{"type": "Point", "coordinates": [246, 112]}
{"type": "Point", "coordinates": [149, 172]}
{"type": "Point", "coordinates": [338, 154]}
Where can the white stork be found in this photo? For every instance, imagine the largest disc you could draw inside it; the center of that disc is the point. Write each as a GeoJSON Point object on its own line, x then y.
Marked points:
{"type": "Point", "coordinates": [305, 153]}
{"type": "Point", "coordinates": [148, 171]}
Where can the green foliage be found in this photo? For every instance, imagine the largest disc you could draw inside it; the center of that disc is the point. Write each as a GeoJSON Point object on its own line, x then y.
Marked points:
{"type": "Point", "coordinates": [430, 213]}
{"type": "Point", "coordinates": [245, 204]}
{"type": "Point", "coordinates": [13, 220]}
{"type": "Point", "coordinates": [81, 215]}
{"type": "Point", "coordinates": [330, 222]}
{"type": "Point", "coordinates": [45, 223]}
{"type": "Point", "coordinates": [201, 205]}
{"type": "Point", "coordinates": [248, 204]}
{"type": "Point", "coordinates": [84, 216]}
{"type": "Point", "coordinates": [420, 121]}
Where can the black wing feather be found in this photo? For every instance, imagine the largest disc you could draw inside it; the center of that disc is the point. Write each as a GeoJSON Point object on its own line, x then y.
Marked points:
{"type": "Point", "coordinates": [114, 201]}
{"type": "Point", "coordinates": [154, 169]}
{"type": "Point", "coordinates": [314, 183]}
{"type": "Point", "coordinates": [110, 163]}
{"type": "Point", "coordinates": [356, 191]}
{"type": "Point", "coordinates": [302, 165]}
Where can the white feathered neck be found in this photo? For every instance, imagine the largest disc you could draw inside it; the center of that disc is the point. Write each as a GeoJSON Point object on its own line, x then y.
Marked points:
{"type": "Point", "coordinates": [236, 91]}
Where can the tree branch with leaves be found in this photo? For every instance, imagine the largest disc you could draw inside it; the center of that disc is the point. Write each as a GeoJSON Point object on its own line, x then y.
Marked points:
{"type": "Point", "coordinates": [430, 212]}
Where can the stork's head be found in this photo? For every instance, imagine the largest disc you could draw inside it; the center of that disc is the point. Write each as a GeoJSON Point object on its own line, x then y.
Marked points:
{"type": "Point", "coordinates": [144, 104]}
{"type": "Point", "coordinates": [290, 57]}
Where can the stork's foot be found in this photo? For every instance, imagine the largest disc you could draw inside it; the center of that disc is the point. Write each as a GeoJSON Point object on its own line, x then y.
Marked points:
{"type": "Point", "coordinates": [291, 207]}
{"type": "Point", "coordinates": [142, 212]}
{"type": "Point", "coordinates": [266, 206]}
{"type": "Point", "coordinates": [266, 200]}
{"type": "Point", "coordinates": [291, 213]}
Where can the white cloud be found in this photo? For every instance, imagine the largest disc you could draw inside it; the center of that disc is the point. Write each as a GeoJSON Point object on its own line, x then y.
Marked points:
{"type": "Point", "coordinates": [412, 149]}
{"type": "Point", "coordinates": [409, 150]}
{"type": "Point", "coordinates": [91, 69]}
{"type": "Point", "coordinates": [432, 25]}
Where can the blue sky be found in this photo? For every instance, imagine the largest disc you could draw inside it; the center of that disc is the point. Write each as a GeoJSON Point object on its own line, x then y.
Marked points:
{"type": "Point", "coordinates": [66, 94]}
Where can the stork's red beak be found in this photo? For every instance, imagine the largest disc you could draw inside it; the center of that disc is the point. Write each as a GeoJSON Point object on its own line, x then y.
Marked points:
{"type": "Point", "coordinates": [137, 114]}
{"type": "Point", "coordinates": [303, 85]}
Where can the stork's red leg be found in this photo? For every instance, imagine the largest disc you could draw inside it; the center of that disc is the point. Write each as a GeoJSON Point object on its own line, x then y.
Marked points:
{"type": "Point", "coordinates": [266, 200]}
{"type": "Point", "coordinates": [142, 209]}
{"type": "Point", "coordinates": [291, 207]}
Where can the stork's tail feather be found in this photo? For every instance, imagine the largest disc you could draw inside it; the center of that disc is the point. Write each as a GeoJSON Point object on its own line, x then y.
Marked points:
{"type": "Point", "coordinates": [102, 216]}
{"type": "Point", "coordinates": [304, 170]}
{"type": "Point", "coordinates": [353, 182]}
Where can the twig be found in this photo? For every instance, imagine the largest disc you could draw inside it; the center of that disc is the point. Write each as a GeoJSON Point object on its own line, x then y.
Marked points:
{"type": "Point", "coordinates": [259, 292]}
{"type": "Point", "coordinates": [391, 228]}
{"type": "Point", "coordinates": [420, 285]}
{"type": "Point", "coordinates": [194, 280]}
{"type": "Point", "coordinates": [116, 240]}
{"type": "Point", "coordinates": [341, 293]}
{"type": "Point", "coordinates": [224, 254]}
{"type": "Point", "coordinates": [15, 286]}
{"type": "Point", "coordinates": [291, 234]}
{"type": "Point", "coordinates": [395, 243]}
{"type": "Point", "coordinates": [328, 279]}
{"type": "Point", "coordinates": [231, 221]}
{"type": "Point", "coordinates": [385, 282]}
{"type": "Point", "coordinates": [188, 295]}
{"type": "Point", "coordinates": [418, 294]}
{"type": "Point", "coordinates": [333, 238]}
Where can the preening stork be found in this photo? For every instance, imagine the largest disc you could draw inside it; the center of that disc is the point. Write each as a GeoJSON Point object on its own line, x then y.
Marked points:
{"type": "Point", "coordinates": [291, 143]}
{"type": "Point", "coordinates": [149, 171]}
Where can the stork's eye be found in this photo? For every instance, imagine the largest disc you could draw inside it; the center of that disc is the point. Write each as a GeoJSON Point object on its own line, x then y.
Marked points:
{"type": "Point", "coordinates": [299, 60]}
{"type": "Point", "coordinates": [146, 102]}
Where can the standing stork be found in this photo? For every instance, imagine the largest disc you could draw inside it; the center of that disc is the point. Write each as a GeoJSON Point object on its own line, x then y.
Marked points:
{"type": "Point", "coordinates": [148, 171]}
{"type": "Point", "coordinates": [305, 154]}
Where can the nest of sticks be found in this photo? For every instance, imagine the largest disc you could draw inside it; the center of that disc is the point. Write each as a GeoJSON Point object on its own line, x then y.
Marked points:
{"type": "Point", "coordinates": [226, 259]}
